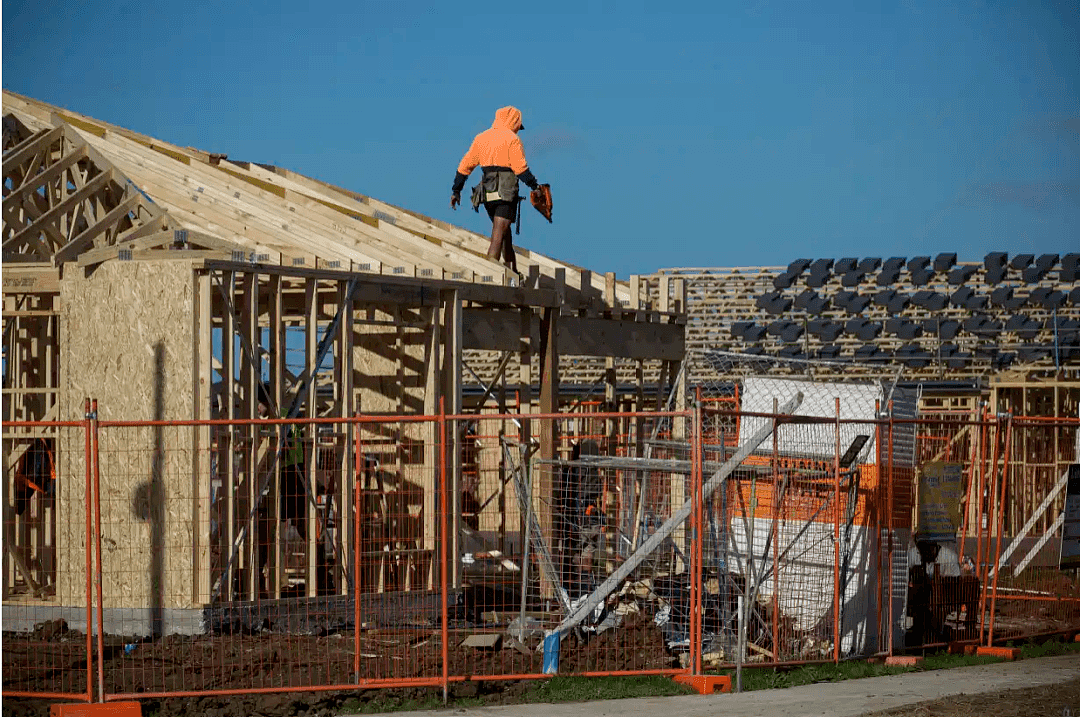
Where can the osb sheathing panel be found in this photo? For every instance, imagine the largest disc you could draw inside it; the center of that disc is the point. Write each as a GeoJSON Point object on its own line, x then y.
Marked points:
{"type": "Point", "coordinates": [126, 339]}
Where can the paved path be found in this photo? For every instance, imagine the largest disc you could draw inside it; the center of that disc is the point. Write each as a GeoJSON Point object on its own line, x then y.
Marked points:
{"type": "Point", "coordinates": [835, 699]}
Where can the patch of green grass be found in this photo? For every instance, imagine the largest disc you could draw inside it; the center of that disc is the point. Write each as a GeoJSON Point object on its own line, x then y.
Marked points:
{"type": "Point", "coordinates": [945, 661]}
{"type": "Point", "coordinates": [1049, 649]}
{"type": "Point", "coordinates": [771, 678]}
{"type": "Point", "coordinates": [581, 689]}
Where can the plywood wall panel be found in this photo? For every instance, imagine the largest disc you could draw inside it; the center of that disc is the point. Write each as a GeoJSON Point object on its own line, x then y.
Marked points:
{"type": "Point", "coordinates": [127, 341]}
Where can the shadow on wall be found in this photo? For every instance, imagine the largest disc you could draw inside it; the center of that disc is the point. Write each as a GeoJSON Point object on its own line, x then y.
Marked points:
{"type": "Point", "coordinates": [148, 501]}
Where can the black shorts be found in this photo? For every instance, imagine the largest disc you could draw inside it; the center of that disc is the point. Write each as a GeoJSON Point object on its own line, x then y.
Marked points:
{"type": "Point", "coordinates": [501, 209]}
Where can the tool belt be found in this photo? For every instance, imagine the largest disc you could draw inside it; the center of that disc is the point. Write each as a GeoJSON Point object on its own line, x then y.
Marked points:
{"type": "Point", "coordinates": [497, 184]}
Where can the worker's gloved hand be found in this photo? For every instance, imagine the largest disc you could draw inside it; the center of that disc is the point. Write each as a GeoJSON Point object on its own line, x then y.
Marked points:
{"type": "Point", "coordinates": [455, 200]}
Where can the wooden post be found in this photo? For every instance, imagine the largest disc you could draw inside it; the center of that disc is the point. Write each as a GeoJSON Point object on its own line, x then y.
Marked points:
{"type": "Point", "coordinates": [249, 377]}
{"type": "Point", "coordinates": [433, 386]}
{"type": "Point", "coordinates": [452, 343]}
{"type": "Point", "coordinates": [677, 483]}
{"type": "Point", "coordinates": [277, 381]}
{"type": "Point", "coordinates": [310, 432]}
{"type": "Point", "coordinates": [636, 303]}
{"type": "Point", "coordinates": [525, 406]}
{"type": "Point", "coordinates": [343, 366]}
{"type": "Point", "coordinates": [228, 388]}
{"type": "Point", "coordinates": [203, 380]}
{"type": "Point", "coordinates": [549, 381]}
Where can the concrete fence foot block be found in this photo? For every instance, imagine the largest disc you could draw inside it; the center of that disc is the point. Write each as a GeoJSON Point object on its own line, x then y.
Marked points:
{"type": "Point", "coordinates": [706, 684]}
{"type": "Point", "coordinates": [903, 660]}
{"type": "Point", "coordinates": [1005, 653]}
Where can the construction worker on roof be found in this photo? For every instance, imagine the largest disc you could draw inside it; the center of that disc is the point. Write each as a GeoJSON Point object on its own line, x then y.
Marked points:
{"type": "Point", "coordinates": [499, 152]}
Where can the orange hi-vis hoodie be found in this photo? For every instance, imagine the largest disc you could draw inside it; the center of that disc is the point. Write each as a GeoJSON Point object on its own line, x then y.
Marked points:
{"type": "Point", "coordinates": [498, 147]}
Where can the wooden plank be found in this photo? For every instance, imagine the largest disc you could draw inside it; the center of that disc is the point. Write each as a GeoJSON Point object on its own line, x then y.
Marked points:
{"type": "Point", "coordinates": [70, 250]}
{"type": "Point", "coordinates": [411, 289]}
{"type": "Point", "coordinates": [277, 382]}
{"type": "Point", "coordinates": [18, 195]}
{"type": "Point", "coordinates": [30, 147]}
{"type": "Point", "coordinates": [411, 245]}
{"type": "Point", "coordinates": [30, 280]}
{"type": "Point", "coordinates": [250, 376]}
{"type": "Point", "coordinates": [581, 336]}
{"type": "Point", "coordinates": [49, 218]}
{"type": "Point", "coordinates": [421, 225]}
{"type": "Point", "coordinates": [202, 377]}
{"type": "Point", "coordinates": [200, 194]}
{"type": "Point", "coordinates": [452, 322]}
{"type": "Point", "coordinates": [492, 330]}
{"type": "Point", "coordinates": [311, 345]}
{"type": "Point", "coordinates": [249, 205]}
{"type": "Point", "coordinates": [343, 366]}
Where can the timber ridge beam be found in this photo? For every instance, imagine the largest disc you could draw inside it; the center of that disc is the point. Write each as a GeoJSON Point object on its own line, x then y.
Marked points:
{"type": "Point", "coordinates": [401, 289]}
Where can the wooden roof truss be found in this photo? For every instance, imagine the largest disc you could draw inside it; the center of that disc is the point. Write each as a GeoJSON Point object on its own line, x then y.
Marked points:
{"type": "Point", "coordinates": [64, 202]}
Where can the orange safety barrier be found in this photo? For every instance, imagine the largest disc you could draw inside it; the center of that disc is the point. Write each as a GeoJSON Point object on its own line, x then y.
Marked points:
{"type": "Point", "coordinates": [182, 558]}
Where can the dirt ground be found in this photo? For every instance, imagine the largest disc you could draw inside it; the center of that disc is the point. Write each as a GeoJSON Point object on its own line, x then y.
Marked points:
{"type": "Point", "coordinates": [1049, 701]}
{"type": "Point", "coordinates": [1061, 700]}
{"type": "Point", "coordinates": [54, 659]}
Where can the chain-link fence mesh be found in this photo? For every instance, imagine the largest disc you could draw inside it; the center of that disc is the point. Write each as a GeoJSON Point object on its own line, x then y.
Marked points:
{"type": "Point", "coordinates": [47, 648]}
{"type": "Point", "coordinates": [340, 554]}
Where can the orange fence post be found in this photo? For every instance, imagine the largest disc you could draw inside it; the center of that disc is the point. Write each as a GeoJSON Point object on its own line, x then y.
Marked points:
{"type": "Point", "coordinates": [89, 555]}
{"type": "Point", "coordinates": [443, 538]}
{"type": "Point", "coordinates": [357, 526]}
{"type": "Point", "coordinates": [837, 597]}
{"type": "Point", "coordinates": [696, 622]}
{"type": "Point", "coordinates": [889, 499]}
{"type": "Point", "coordinates": [877, 521]}
{"type": "Point", "coordinates": [775, 541]}
{"type": "Point", "coordinates": [96, 451]}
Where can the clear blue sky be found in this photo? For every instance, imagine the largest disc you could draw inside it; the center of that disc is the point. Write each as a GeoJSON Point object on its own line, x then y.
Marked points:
{"type": "Point", "coordinates": [673, 134]}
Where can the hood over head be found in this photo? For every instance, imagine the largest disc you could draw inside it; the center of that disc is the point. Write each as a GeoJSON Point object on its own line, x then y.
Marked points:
{"type": "Point", "coordinates": [509, 118]}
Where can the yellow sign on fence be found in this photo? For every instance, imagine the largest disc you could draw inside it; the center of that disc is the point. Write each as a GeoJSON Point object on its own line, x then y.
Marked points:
{"type": "Point", "coordinates": [941, 486]}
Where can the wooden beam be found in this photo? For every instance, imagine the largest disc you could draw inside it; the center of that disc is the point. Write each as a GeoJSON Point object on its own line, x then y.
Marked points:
{"type": "Point", "coordinates": [202, 507]}
{"type": "Point", "coordinates": [311, 361]}
{"type": "Point", "coordinates": [452, 391]}
{"type": "Point", "coordinates": [31, 280]}
{"type": "Point", "coordinates": [493, 330]}
{"type": "Point", "coordinates": [18, 194]}
{"type": "Point", "coordinates": [277, 382]}
{"type": "Point", "coordinates": [478, 293]}
{"type": "Point", "coordinates": [581, 336]}
{"type": "Point", "coordinates": [92, 187]}
{"type": "Point", "coordinates": [30, 147]}
{"type": "Point", "coordinates": [70, 250]}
